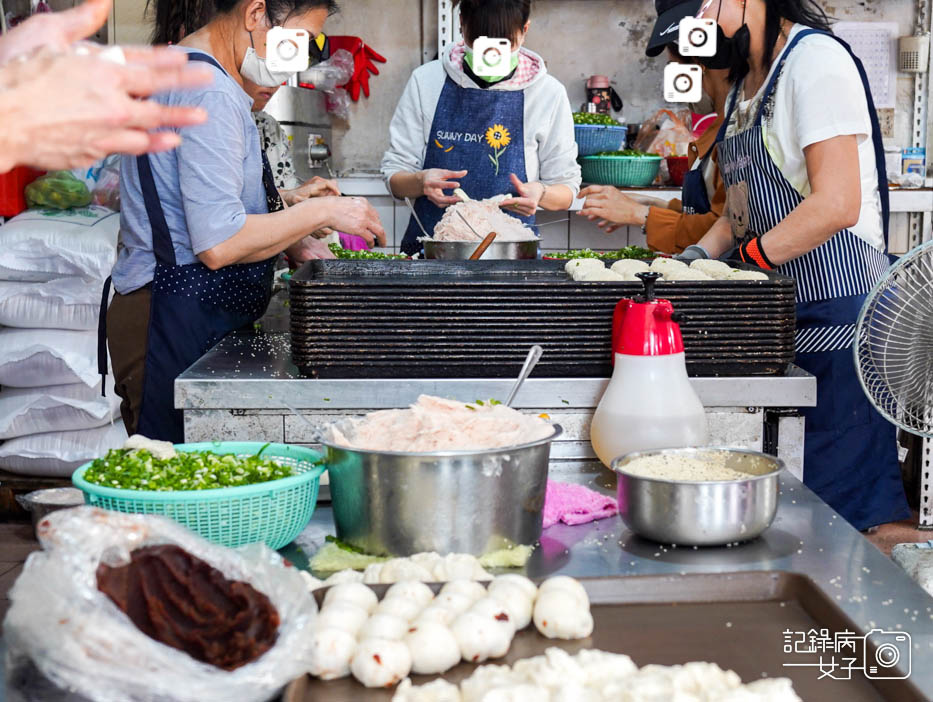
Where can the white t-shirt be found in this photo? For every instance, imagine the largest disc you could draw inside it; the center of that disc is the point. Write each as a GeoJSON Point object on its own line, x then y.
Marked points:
{"type": "Point", "coordinates": [818, 97]}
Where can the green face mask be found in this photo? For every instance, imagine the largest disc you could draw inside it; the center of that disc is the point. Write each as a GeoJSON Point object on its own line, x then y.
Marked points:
{"type": "Point", "coordinates": [469, 59]}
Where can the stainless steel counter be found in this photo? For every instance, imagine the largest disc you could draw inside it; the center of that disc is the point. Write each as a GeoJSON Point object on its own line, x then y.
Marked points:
{"type": "Point", "coordinates": [807, 537]}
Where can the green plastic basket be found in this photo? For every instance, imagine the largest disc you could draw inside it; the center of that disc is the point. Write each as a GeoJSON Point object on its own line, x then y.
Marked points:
{"type": "Point", "coordinates": [621, 171]}
{"type": "Point", "coordinates": [273, 513]}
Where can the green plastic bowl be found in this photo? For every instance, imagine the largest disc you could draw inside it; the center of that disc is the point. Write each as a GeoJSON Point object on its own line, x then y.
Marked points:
{"type": "Point", "coordinates": [273, 513]}
{"type": "Point", "coordinates": [621, 171]}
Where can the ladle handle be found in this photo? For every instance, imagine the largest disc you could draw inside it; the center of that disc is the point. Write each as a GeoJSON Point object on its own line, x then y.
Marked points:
{"type": "Point", "coordinates": [534, 355]}
{"type": "Point", "coordinates": [485, 244]}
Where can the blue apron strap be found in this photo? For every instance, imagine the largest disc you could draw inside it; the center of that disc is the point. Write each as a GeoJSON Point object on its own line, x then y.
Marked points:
{"type": "Point", "coordinates": [162, 245]}
{"type": "Point", "coordinates": [725, 123]}
{"type": "Point", "coordinates": [102, 337]}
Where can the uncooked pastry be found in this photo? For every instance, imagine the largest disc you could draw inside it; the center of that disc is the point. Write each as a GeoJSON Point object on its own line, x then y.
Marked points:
{"type": "Point", "coordinates": [433, 648]}
{"type": "Point", "coordinates": [380, 662]}
{"type": "Point", "coordinates": [331, 652]}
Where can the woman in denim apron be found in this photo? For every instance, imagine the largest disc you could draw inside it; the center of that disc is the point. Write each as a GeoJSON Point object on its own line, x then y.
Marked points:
{"type": "Point", "coordinates": [201, 226]}
{"type": "Point", "coordinates": [820, 217]}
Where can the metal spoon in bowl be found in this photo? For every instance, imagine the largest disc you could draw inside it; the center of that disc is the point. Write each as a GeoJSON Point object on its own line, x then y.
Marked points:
{"type": "Point", "coordinates": [469, 225]}
{"type": "Point", "coordinates": [531, 360]}
{"type": "Point", "coordinates": [415, 215]}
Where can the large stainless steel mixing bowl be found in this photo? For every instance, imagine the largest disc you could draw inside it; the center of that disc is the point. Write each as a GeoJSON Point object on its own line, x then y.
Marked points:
{"type": "Point", "coordinates": [397, 504]}
{"type": "Point", "coordinates": [709, 513]}
{"type": "Point", "coordinates": [498, 250]}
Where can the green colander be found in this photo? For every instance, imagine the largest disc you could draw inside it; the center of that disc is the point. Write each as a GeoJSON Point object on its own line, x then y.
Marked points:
{"type": "Point", "coordinates": [273, 513]}
{"type": "Point", "coordinates": [621, 171]}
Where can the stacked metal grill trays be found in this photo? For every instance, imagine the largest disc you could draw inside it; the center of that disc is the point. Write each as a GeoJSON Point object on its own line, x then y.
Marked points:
{"type": "Point", "coordinates": [448, 319]}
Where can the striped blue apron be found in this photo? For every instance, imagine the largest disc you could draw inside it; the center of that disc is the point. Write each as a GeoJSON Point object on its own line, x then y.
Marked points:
{"type": "Point", "coordinates": [850, 454]}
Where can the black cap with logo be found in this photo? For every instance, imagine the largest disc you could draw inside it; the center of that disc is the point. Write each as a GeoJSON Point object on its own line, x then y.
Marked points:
{"type": "Point", "coordinates": [667, 28]}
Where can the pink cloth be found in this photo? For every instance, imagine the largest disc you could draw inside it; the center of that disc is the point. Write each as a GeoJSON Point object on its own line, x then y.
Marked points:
{"type": "Point", "coordinates": [576, 504]}
{"type": "Point", "coordinates": [352, 242]}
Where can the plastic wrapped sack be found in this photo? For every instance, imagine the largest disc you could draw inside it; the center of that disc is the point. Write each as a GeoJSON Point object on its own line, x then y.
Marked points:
{"type": "Point", "coordinates": [27, 411]}
{"type": "Point", "coordinates": [103, 181]}
{"type": "Point", "coordinates": [65, 303]}
{"type": "Point", "coordinates": [58, 454]}
{"type": "Point", "coordinates": [35, 358]}
{"type": "Point", "coordinates": [61, 626]}
{"type": "Point", "coordinates": [41, 245]}
{"type": "Point", "coordinates": [59, 190]}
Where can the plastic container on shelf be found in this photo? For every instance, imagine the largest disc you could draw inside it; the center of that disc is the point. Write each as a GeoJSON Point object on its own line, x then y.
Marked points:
{"type": "Point", "coordinates": [12, 190]}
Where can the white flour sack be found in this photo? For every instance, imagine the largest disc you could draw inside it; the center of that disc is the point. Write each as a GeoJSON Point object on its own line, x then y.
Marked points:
{"type": "Point", "coordinates": [41, 245]}
{"type": "Point", "coordinates": [63, 303]}
{"type": "Point", "coordinates": [33, 358]}
{"type": "Point", "coordinates": [26, 411]}
{"type": "Point", "coordinates": [58, 454]}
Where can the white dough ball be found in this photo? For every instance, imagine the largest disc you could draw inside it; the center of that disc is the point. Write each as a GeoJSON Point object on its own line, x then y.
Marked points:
{"type": "Point", "coordinates": [629, 266]}
{"type": "Point", "coordinates": [312, 582]}
{"type": "Point", "coordinates": [479, 637]}
{"type": "Point", "coordinates": [661, 264]}
{"type": "Point", "coordinates": [528, 587]}
{"type": "Point", "coordinates": [580, 264]}
{"type": "Point", "coordinates": [435, 691]}
{"type": "Point", "coordinates": [686, 275]}
{"type": "Point", "coordinates": [433, 648]}
{"type": "Point", "coordinates": [372, 575]}
{"type": "Point", "coordinates": [602, 275]}
{"type": "Point", "coordinates": [354, 593]}
{"type": "Point", "coordinates": [713, 268]}
{"type": "Point", "coordinates": [499, 614]}
{"type": "Point", "coordinates": [344, 576]}
{"type": "Point", "coordinates": [381, 663]}
{"type": "Point", "coordinates": [402, 569]}
{"type": "Point", "coordinates": [456, 603]}
{"type": "Point", "coordinates": [468, 588]}
{"type": "Point", "coordinates": [413, 590]}
{"type": "Point", "coordinates": [342, 615]}
{"type": "Point", "coordinates": [383, 626]}
{"type": "Point", "coordinates": [747, 275]}
{"type": "Point", "coordinates": [560, 615]}
{"type": "Point", "coordinates": [565, 582]}
{"type": "Point", "coordinates": [515, 601]}
{"type": "Point", "coordinates": [459, 566]}
{"type": "Point", "coordinates": [331, 652]}
{"type": "Point", "coordinates": [399, 607]}
{"type": "Point", "coordinates": [435, 614]}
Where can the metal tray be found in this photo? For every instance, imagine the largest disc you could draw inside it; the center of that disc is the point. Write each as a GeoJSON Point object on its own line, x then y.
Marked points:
{"type": "Point", "coordinates": [736, 620]}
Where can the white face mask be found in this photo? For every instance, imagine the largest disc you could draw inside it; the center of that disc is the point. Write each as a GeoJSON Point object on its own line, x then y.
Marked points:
{"type": "Point", "coordinates": [255, 70]}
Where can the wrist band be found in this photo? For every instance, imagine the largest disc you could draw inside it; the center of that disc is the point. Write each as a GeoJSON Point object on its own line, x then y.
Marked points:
{"type": "Point", "coordinates": [753, 252]}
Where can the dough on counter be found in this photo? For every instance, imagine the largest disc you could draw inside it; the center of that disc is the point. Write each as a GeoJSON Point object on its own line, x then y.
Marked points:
{"type": "Point", "coordinates": [559, 614]}
{"type": "Point", "coordinates": [662, 265]}
{"type": "Point", "coordinates": [433, 647]}
{"type": "Point", "coordinates": [381, 663]}
{"type": "Point", "coordinates": [468, 588]}
{"type": "Point", "coordinates": [629, 267]}
{"type": "Point", "coordinates": [479, 637]}
{"type": "Point", "coordinates": [398, 570]}
{"type": "Point", "coordinates": [486, 679]}
{"type": "Point", "coordinates": [688, 274]}
{"type": "Point", "coordinates": [484, 216]}
{"type": "Point", "coordinates": [453, 601]}
{"type": "Point", "coordinates": [713, 268]}
{"type": "Point", "coordinates": [603, 275]}
{"type": "Point", "coordinates": [344, 576]}
{"type": "Point", "coordinates": [516, 602]}
{"type": "Point", "coordinates": [459, 566]}
{"type": "Point", "coordinates": [383, 626]}
{"type": "Point", "coordinates": [565, 582]}
{"type": "Point", "coordinates": [601, 667]}
{"type": "Point", "coordinates": [528, 587]}
{"type": "Point", "coordinates": [435, 614]}
{"type": "Point", "coordinates": [748, 275]}
{"type": "Point", "coordinates": [435, 691]}
{"type": "Point", "coordinates": [342, 615]}
{"type": "Point", "coordinates": [413, 590]}
{"type": "Point", "coordinates": [499, 614]}
{"type": "Point", "coordinates": [577, 265]}
{"type": "Point", "coordinates": [331, 652]}
{"type": "Point", "coordinates": [354, 593]}
{"type": "Point", "coordinates": [400, 607]}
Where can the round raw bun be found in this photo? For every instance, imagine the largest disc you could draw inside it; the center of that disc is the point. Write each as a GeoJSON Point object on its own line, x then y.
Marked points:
{"type": "Point", "coordinates": [712, 267]}
{"type": "Point", "coordinates": [602, 275]}
{"type": "Point", "coordinates": [435, 614]}
{"type": "Point", "coordinates": [342, 615]}
{"type": "Point", "coordinates": [433, 648]}
{"type": "Point", "coordinates": [399, 607]}
{"type": "Point", "coordinates": [383, 626]}
{"type": "Point", "coordinates": [456, 603]}
{"type": "Point", "coordinates": [380, 662]}
{"type": "Point", "coordinates": [344, 576]}
{"type": "Point", "coordinates": [560, 615]}
{"type": "Point", "coordinates": [413, 590]}
{"type": "Point", "coordinates": [479, 637]}
{"type": "Point", "coordinates": [565, 582]}
{"type": "Point", "coordinates": [629, 266]}
{"type": "Point", "coordinates": [499, 615]}
{"type": "Point", "coordinates": [661, 264]}
{"type": "Point", "coordinates": [331, 652]}
{"type": "Point", "coordinates": [353, 593]}
{"type": "Point", "coordinates": [516, 602]}
{"type": "Point", "coordinates": [528, 587]}
{"type": "Point", "coordinates": [468, 588]}
{"type": "Point", "coordinates": [581, 264]}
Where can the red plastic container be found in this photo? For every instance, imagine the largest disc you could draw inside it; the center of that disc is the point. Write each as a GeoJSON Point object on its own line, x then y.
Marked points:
{"type": "Point", "coordinates": [12, 187]}
{"type": "Point", "coordinates": [677, 167]}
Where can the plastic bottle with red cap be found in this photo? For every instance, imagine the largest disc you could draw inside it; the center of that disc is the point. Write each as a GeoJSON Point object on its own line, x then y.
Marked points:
{"type": "Point", "coordinates": [649, 403]}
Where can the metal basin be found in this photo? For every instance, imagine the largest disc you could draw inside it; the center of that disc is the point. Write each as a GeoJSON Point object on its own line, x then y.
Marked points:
{"type": "Point", "coordinates": [462, 250]}
{"type": "Point", "coordinates": [39, 503]}
{"type": "Point", "coordinates": [398, 504]}
{"type": "Point", "coordinates": [710, 513]}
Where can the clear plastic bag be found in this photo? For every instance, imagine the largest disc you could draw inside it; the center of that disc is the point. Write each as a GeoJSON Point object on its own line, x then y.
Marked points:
{"type": "Point", "coordinates": [337, 103]}
{"type": "Point", "coordinates": [62, 632]}
{"type": "Point", "coordinates": [327, 75]}
{"type": "Point", "coordinates": [665, 134]}
{"type": "Point", "coordinates": [59, 190]}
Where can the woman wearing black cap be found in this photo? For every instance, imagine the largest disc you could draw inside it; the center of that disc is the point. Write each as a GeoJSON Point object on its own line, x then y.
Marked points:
{"type": "Point", "coordinates": [800, 153]}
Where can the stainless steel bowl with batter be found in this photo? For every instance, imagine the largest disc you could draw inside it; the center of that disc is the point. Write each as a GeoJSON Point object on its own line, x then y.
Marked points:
{"type": "Point", "coordinates": [398, 504]}
{"type": "Point", "coordinates": [707, 513]}
{"type": "Point", "coordinates": [498, 250]}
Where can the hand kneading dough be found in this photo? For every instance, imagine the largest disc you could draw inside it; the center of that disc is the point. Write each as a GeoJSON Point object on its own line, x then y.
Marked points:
{"type": "Point", "coordinates": [577, 265]}
{"type": "Point", "coordinates": [342, 615]}
{"type": "Point", "coordinates": [479, 636]}
{"type": "Point", "coordinates": [435, 691]}
{"type": "Point", "coordinates": [384, 626]}
{"type": "Point", "coordinates": [433, 648]}
{"type": "Point", "coordinates": [565, 582]}
{"type": "Point", "coordinates": [331, 652]}
{"type": "Point", "coordinates": [354, 593]}
{"type": "Point", "coordinates": [381, 663]}
{"type": "Point", "coordinates": [413, 590]}
{"type": "Point", "coordinates": [515, 601]}
{"type": "Point", "coordinates": [468, 588]}
{"type": "Point", "coordinates": [400, 607]}
{"type": "Point", "coordinates": [529, 588]}
{"type": "Point", "coordinates": [560, 615]}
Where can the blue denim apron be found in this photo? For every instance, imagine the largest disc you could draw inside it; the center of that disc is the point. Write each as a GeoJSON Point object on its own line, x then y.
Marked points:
{"type": "Point", "coordinates": [192, 308]}
{"type": "Point", "coordinates": [850, 454]}
{"type": "Point", "coordinates": [474, 130]}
